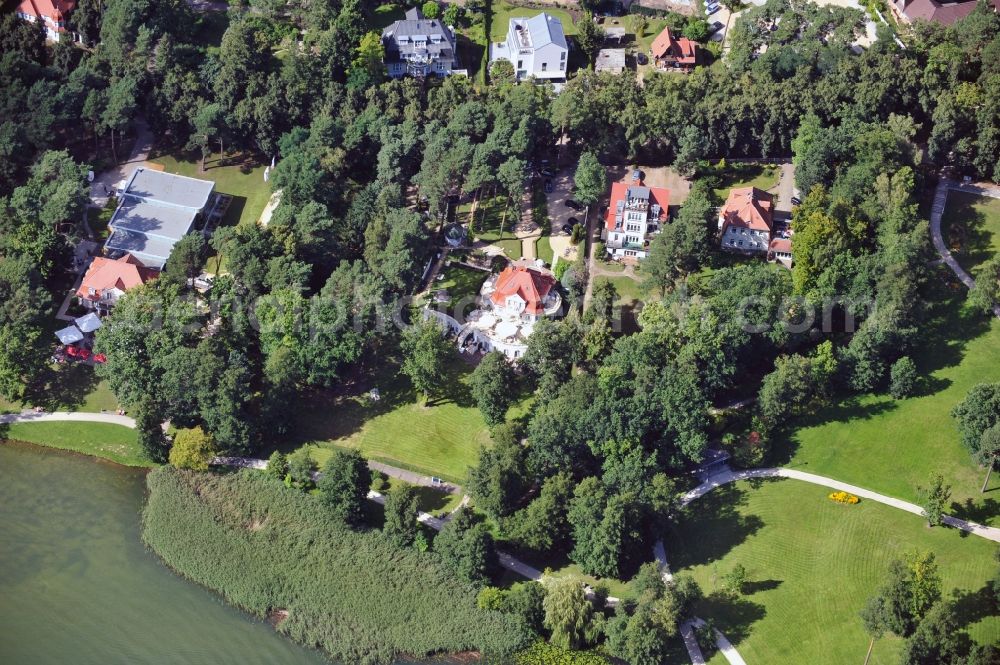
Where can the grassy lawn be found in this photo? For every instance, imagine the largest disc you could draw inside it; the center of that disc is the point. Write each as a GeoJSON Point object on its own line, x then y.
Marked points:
{"type": "Point", "coordinates": [811, 565]}
{"type": "Point", "coordinates": [503, 12]}
{"type": "Point", "coordinates": [493, 226]}
{"type": "Point", "coordinates": [895, 446]}
{"type": "Point", "coordinates": [630, 298]}
{"type": "Point", "coordinates": [431, 500]}
{"type": "Point", "coordinates": [761, 176]}
{"type": "Point", "coordinates": [242, 179]}
{"type": "Point", "coordinates": [972, 228]}
{"type": "Point", "coordinates": [385, 15]}
{"type": "Point", "coordinates": [112, 442]}
{"type": "Point", "coordinates": [70, 387]}
{"type": "Point", "coordinates": [440, 439]}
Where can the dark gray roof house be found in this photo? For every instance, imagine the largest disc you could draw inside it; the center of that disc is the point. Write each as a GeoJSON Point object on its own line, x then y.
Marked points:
{"type": "Point", "coordinates": [419, 46]}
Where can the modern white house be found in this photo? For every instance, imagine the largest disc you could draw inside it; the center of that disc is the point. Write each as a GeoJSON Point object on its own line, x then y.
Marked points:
{"type": "Point", "coordinates": [536, 47]}
{"type": "Point", "coordinates": [419, 46]}
{"type": "Point", "coordinates": [636, 213]}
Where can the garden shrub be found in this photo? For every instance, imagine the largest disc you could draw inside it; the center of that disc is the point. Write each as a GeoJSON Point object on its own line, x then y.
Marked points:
{"type": "Point", "coordinates": [543, 653]}
{"type": "Point", "coordinates": [351, 593]}
{"type": "Point", "coordinates": [844, 497]}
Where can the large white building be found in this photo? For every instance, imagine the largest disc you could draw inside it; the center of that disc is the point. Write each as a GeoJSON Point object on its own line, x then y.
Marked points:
{"type": "Point", "coordinates": [536, 47]}
{"type": "Point", "coordinates": [635, 215]}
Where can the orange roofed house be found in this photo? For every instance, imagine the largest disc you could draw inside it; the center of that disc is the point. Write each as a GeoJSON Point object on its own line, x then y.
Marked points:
{"type": "Point", "coordinates": [511, 302]}
{"type": "Point", "coordinates": [670, 53]}
{"type": "Point", "coordinates": [636, 213]}
{"type": "Point", "coordinates": [52, 14]}
{"type": "Point", "coordinates": [746, 222]}
{"type": "Point", "coordinates": [107, 279]}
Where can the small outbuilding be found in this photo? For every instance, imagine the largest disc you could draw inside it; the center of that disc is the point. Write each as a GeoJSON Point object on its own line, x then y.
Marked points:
{"type": "Point", "coordinates": [610, 60]}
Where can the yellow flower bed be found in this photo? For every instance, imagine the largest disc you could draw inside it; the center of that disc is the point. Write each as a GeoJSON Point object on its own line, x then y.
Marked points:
{"type": "Point", "coordinates": [844, 497]}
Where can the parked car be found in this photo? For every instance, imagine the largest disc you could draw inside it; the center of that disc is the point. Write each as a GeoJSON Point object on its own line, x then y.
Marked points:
{"type": "Point", "coordinates": [712, 9]}
{"type": "Point", "coordinates": [796, 201]}
{"type": "Point", "coordinates": [573, 221]}
{"type": "Point", "coordinates": [570, 203]}
{"type": "Point", "coordinates": [636, 175]}
{"type": "Point", "coordinates": [546, 172]}
{"type": "Point", "coordinates": [641, 58]}
{"type": "Point", "coordinates": [566, 228]}
{"type": "Point", "coordinates": [715, 27]}
{"type": "Point", "coordinates": [548, 186]}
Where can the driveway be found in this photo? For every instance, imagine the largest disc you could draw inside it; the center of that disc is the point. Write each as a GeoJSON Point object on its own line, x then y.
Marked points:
{"type": "Point", "coordinates": [784, 191]}
{"type": "Point", "coordinates": [559, 214]}
{"type": "Point", "coordinates": [105, 182]}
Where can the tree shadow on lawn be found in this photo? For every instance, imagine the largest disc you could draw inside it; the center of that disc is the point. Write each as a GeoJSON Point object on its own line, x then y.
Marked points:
{"type": "Point", "coordinates": [851, 408]}
{"type": "Point", "coordinates": [966, 230]}
{"type": "Point", "coordinates": [63, 387]}
{"type": "Point", "coordinates": [982, 511]}
{"type": "Point", "coordinates": [711, 527]}
{"type": "Point", "coordinates": [734, 616]}
{"type": "Point", "coordinates": [973, 606]}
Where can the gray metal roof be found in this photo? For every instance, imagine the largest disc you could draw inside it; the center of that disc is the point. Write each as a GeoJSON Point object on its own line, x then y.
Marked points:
{"type": "Point", "coordinates": [637, 192]}
{"type": "Point", "coordinates": [151, 250]}
{"type": "Point", "coordinates": [169, 188]}
{"type": "Point", "coordinates": [543, 29]}
{"type": "Point", "coordinates": [418, 36]}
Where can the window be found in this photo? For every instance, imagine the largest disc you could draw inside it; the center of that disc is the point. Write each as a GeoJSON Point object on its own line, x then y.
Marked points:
{"type": "Point", "coordinates": [562, 56]}
{"type": "Point", "coordinates": [562, 65]}
{"type": "Point", "coordinates": [544, 65]}
{"type": "Point", "coordinates": [91, 291]}
{"type": "Point", "coordinates": [520, 64]}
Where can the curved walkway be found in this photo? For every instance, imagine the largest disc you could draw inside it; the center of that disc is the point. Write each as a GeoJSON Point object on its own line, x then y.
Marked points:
{"type": "Point", "coordinates": [77, 416]}
{"type": "Point", "coordinates": [937, 211]}
{"type": "Point", "coordinates": [728, 476]}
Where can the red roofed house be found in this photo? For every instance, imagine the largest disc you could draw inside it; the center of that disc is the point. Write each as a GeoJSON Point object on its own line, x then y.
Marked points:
{"type": "Point", "coordinates": [107, 279]}
{"type": "Point", "coordinates": [668, 52]}
{"type": "Point", "coordinates": [52, 14]}
{"type": "Point", "coordinates": [747, 220]}
{"type": "Point", "coordinates": [635, 215]}
{"type": "Point", "coordinates": [945, 13]}
{"type": "Point", "coordinates": [523, 291]}
{"type": "Point", "coordinates": [780, 250]}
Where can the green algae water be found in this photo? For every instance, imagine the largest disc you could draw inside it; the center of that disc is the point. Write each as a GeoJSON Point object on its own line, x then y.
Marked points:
{"type": "Point", "coordinates": [78, 587]}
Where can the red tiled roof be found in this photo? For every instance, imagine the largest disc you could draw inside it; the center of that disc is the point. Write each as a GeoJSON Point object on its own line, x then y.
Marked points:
{"type": "Point", "coordinates": [931, 10]}
{"type": "Point", "coordinates": [683, 50]}
{"type": "Point", "coordinates": [781, 245]}
{"type": "Point", "coordinates": [103, 274]}
{"type": "Point", "coordinates": [657, 195]}
{"type": "Point", "coordinates": [748, 207]}
{"type": "Point", "coordinates": [54, 10]}
{"type": "Point", "coordinates": [530, 284]}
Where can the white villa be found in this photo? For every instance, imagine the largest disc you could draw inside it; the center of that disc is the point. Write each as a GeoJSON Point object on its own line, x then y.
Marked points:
{"type": "Point", "coordinates": [536, 47]}
{"type": "Point", "coordinates": [510, 303]}
{"type": "Point", "coordinates": [419, 46]}
{"type": "Point", "coordinates": [746, 222]}
{"type": "Point", "coordinates": [636, 213]}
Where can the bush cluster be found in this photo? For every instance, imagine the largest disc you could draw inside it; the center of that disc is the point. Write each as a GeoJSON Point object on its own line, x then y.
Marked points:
{"type": "Point", "coordinates": [353, 594]}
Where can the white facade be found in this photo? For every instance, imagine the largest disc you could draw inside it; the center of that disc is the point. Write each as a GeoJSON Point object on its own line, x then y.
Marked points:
{"type": "Point", "coordinates": [54, 31]}
{"type": "Point", "coordinates": [634, 219]}
{"type": "Point", "coordinates": [536, 47]}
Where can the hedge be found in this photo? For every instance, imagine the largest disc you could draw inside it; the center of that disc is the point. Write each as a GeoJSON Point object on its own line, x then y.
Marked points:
{"type": "Point", "coordinates": [276, 552]}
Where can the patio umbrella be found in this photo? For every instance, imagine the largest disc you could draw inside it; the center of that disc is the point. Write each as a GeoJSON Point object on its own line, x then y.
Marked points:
{"type": "Point", "coordinates": [88, 323]}
{"type": "Point", "coordinates": [69, 334]}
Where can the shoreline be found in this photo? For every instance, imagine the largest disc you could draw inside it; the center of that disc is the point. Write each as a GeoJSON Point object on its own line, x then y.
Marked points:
{"type": "Point", "coordinates": [113, 453]}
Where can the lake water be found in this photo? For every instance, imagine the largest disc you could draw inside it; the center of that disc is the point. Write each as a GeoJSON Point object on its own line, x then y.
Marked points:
{"type": "Point", "coordinates": [77, 586]}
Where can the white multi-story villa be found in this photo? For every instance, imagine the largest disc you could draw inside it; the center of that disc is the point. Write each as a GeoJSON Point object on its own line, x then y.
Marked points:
{"type": "Point", "coordinates": [536, 47]}
{"type": "Point", "coordinates": [635, 215]}
{"type": "Point", "coordinates": [746, 222]}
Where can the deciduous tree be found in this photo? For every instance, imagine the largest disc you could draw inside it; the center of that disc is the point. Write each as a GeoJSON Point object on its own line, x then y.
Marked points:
{"type": "Point", "coordinates": [344, 484]}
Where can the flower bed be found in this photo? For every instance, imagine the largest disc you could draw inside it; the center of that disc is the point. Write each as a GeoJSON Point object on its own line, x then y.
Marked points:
{"type": "Point", "coordinates": [844, 497]}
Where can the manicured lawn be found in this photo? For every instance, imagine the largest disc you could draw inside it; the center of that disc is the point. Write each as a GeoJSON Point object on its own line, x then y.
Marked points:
{"type": "Point", "coordinates": [504, 12]}
{"type": "Point", "coordinates": [432, 501]}
{"type": "Point", "coordinates": [462, 284]}
{"type": "Point", "coordinates": [242, 179]}
{"type": "Point", "coordinates": [630, 298]}
{"type": "Point", "coordinates": [112, 442]}
{"type": "Point", "coordinates": [440, 439]}
{"type": "Point", "coordinates": [971, 227]}
{"type": "Point", "coordinates": [895, 446]}
{"type": "Point", "coordinates": [811, 565]}
{"type": "Point", "coordinates": [761, 176]}
{"type": "Point", "coordinates": [385, 15]}
{"type": "Point", "coordinates": [68, 388]}
{"type": "Point", "coordinates": [493, 226]}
